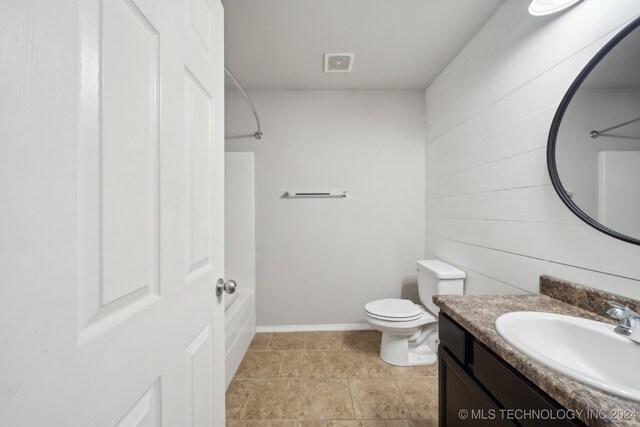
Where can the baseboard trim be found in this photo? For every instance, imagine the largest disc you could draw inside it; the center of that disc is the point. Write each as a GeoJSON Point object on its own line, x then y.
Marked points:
{"type": "Point", "coordinates": [316, 328]}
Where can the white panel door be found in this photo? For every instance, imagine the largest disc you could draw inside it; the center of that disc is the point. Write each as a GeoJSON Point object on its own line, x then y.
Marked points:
{"type": "Point", "coordinates": [111, 227]}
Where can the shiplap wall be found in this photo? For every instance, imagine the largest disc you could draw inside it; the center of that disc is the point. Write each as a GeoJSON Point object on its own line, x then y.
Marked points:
{"type": "Point", "coordinates": [491, 209]}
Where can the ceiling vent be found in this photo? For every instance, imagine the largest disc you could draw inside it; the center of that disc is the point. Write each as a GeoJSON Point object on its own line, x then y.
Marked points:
{"type": "Point", "coordinates": [338, 62]}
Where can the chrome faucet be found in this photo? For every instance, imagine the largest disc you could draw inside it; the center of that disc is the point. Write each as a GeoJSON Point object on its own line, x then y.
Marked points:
{"type": "Point", "coordinates": [629, 326]}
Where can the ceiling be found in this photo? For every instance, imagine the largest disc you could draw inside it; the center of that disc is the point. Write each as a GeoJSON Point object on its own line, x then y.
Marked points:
{"type": "Point", "coordinates": [398, 44]}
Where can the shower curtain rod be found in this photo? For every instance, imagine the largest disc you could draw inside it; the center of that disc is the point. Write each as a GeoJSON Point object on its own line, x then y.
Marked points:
{"type": "Point", "coordinates": [258, 133]}
{"type": "Point", "coordinates": [596, 133]}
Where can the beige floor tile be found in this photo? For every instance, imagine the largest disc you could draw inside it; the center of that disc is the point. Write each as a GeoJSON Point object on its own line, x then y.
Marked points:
{"type": "Point", "coordinates": [423, 423]}
{"type": "Point", "coordinates": [325, 399]}
{"type": "Point", "coordinates": [236, 397]}
{"type": "Point", "coordinates": [291, 364]}
{"type": "Point", "coordinates": [377, 398]}
{"type": "Point", "coordinates": [269, 423]}
{"type": "Point", "coordinates": [421, 396]}
{"type": "Point", "coordinates": [412, 423]}
{"type": "Point", "coordinates": [403, 396]}
{"type": "Point", "coordinates": [302, 364]}
{"type": "Point", "coordinates": [379, 368]}
{"type": "Point", "coordinates": [344, 364]}
{"type": "Point", "coordinates": [356, 423]}
{"type": "Point", "coordinates": [260, 341]}
{"type": "Point", "coordinates": [311, 423]}
{"type": "Point", "coordinates": [287, 341]}
{"type": "Point", "coordinates": [425, 370]}
{"type": "Point", "coordinates": [273, 399]}
{"type": "Point", "coordinates": [260, 364]}
{"type": "Point", "coordinates": [325, 340]}
{"type": "Point", "coordinates": [362, 340]}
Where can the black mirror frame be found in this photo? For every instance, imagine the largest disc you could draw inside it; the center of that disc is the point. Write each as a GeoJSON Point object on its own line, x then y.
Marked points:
{"type": "Point", "coordinates": [555, 126]}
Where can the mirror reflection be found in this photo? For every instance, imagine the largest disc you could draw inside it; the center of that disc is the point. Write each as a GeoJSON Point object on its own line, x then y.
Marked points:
{"type": "Point", "coordinates": [597, 148]}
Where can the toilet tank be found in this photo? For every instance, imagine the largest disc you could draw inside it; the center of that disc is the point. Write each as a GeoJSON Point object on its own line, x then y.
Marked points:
{"type": "Point", "coordinates": [438, 278]}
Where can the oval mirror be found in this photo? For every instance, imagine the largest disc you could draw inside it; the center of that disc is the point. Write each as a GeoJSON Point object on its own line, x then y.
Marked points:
{"type": "Point", "coordinates": [593, 153]}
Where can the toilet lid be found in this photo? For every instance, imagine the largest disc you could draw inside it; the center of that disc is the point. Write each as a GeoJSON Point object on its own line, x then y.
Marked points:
{"type": "Point", "coordinates": [393, 308]}
{"type": "Point", "coordinates": [395, 319]}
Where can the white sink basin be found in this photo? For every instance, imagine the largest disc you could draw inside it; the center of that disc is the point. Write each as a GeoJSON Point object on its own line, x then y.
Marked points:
{"type": "Point", "coordinates": [585, 350]}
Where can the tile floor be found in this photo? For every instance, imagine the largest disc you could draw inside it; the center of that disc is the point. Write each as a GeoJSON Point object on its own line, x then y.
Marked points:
{"type": "Point", "coordinates": [328, 379]}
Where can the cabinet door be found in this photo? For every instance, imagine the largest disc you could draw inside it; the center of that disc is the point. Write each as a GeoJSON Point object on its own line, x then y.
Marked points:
{"type": "Point", "coordinates": [513, 391]}
{"type": "Point", "coordinates": [462, 401]}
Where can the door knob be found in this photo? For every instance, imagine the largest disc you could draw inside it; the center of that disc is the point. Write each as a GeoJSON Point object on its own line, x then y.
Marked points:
{"type": "Point", "coordinates": [228, 287]}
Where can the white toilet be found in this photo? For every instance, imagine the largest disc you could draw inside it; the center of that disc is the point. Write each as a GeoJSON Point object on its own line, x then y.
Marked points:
{"type": "Point", "coordinates": [410, 331]}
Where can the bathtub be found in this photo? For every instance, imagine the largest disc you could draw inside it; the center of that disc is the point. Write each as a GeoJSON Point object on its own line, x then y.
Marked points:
{"type": "Point", "coordinates": [240, 261]}
{"type": "Point", "coordinates": [240, 327]}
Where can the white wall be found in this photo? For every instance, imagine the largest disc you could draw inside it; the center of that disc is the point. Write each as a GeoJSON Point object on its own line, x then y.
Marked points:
{"type": "Point", "coordinates": [491, 209]}
{"type": "Point", "coordinates": [319, 261]}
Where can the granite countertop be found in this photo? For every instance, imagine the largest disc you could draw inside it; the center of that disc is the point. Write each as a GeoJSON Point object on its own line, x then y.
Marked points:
{"type": "Point", "coordinates": [478, 313]}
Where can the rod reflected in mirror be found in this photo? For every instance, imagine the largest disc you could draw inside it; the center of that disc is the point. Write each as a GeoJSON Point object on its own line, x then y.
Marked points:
{"type": "Point", "coordinates": [596, 133]}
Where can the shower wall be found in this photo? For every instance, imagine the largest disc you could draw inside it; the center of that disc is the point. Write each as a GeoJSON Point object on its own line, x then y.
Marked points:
{"type": "Point", "coordinates": [318, 261]}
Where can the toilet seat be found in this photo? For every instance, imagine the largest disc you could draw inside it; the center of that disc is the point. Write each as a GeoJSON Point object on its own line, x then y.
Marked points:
{"type": "Point", "coordinates": [393, 310]}
{"type": "Point", "coordinates": [393, 319]}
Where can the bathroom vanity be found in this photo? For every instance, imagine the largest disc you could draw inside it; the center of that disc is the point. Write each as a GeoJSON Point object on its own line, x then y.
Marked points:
{"type": "Point", "coordinates": [483, 380]}
{"type": "Point", "coordinates": [477, 387]}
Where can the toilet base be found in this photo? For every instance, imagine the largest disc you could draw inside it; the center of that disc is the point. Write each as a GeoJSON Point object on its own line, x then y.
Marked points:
{"type": "Point", "coordinates": [417, 349]}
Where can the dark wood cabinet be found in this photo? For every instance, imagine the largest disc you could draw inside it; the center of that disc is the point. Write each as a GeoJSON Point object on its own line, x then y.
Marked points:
{"type": "Point", "coordinates": [478, 388]}
{"type": "Point", "coordinates": [462, 401]}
